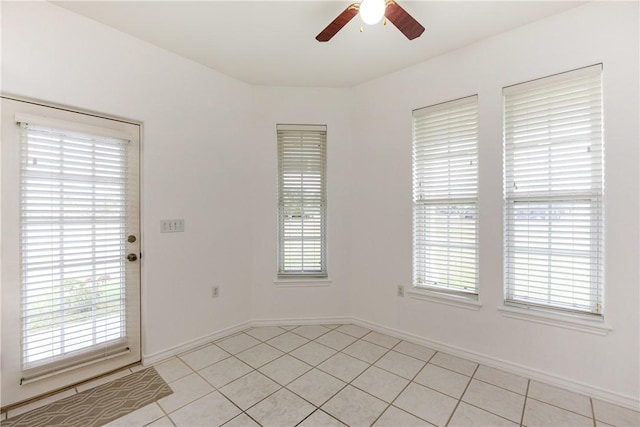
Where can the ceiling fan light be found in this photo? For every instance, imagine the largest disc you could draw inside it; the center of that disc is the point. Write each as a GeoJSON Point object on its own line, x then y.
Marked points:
{"type": "Point", "coordinates": [372, 11]}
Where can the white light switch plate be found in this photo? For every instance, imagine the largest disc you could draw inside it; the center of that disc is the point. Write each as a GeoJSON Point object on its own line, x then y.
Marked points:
{"type": "Point", "coordinates": [171, 225]}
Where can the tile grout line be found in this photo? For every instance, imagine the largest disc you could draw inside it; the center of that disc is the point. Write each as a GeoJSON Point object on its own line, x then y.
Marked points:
{"type": "Point", "coordinates": [405, 387]}
{"type": "Point", "coordinates": [361, 338]}
{"type": "Point", "coordinates": [468, 384]}
{"type": "Point", "coordinates": [485, 409]}
{"type": "Point", "coordinates": [283, 387]}
{"type": "Point", "coordinates": [388, 350]}
{"type": "Point", "coordinates": [499, 386]}
{"type": "Point", "coordinates": [313, 412]}
{"type": "Point", "coordinates": [357, 376]}
{"type": "Point", "coordinates": [527, 398]}
{"type": "Point", "coordinates": [165, 415]}
{"type": "Point", "coordinates": [462, 395]}
{"type": "Point", "coordinates": [318, 407]}
{"type": "Point", "coordinates": [593, 412]}
{"type": "Point", "coordinates": [524, 406]}
{"type": "Point", "coordinates": [250, 417]}
{"type": "Point", "coordinates": [228, 421]}
{"type": "Point", "coordinates": [381, 356]}
{"type": "Point", "coordinates": [191, 401]}
{"type": "Point", "coordinates": [243, 413]}
{"type": "Point", "coordinates": [447, 369]}
{"type": "Point", "coordinates": [196, 372]}
{"type": "Point", "coordinates": [370, 364]}
{"type": "Point", "coordinates": [217, 389]}
{"type": "Point", "coordinates": [492, 413]}
{"type": "Point", "coordinates": [564, 409]}
{"type": "Point", "coordinates": [280, 387]}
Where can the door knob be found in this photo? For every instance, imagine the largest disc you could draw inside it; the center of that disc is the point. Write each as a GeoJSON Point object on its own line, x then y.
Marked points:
{"type": "Point", "coordinates": [132, 257]}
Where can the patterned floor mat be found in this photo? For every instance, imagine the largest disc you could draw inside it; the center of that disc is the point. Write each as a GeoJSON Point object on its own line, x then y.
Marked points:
{"type": "Point", "coordinates": [99, 405]}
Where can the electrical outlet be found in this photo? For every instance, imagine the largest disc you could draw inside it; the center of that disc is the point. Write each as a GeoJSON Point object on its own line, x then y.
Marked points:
{"type": "Point", "coordinates": [400, 290]}
{"type": "Point", "coordinates": [215, 291]}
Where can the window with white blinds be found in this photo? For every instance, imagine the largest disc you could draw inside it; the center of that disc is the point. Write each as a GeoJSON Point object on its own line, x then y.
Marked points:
{"type": "Point", "coordinates": [77, 205]}
{"type": "Point", "coordinates": [302, 201]}
{"type": "Point", "coordinates": [553, 189]}
{"type": "Point", "coordinates": [445, 196]}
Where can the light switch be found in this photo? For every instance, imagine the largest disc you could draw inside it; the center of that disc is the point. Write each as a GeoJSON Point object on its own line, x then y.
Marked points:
{"type": "Point", "coordinates": [171, 225]}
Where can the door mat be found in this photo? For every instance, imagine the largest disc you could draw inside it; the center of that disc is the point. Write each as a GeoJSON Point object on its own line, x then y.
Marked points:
{"type": "Point", "coordinates": [99, 405]}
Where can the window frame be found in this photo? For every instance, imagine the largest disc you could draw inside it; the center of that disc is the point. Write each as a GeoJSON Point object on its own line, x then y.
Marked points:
{"type": "Point", "coordinates": [464, 197]}
{"type": "Point", "coordinates": [593, 198]}
{"type": "Point", "coordinates": [315, 199]}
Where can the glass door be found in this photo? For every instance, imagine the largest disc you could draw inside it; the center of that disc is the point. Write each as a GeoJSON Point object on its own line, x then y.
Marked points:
{"type": "Point", "coordinates": [70, 248]}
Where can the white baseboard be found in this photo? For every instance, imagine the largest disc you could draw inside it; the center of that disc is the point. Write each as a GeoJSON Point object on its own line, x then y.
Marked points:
{"type": "Point", "coordinates": [531, 373]}
{"type": "Point", "coordinates": [301, 321]}
{"type": "Point", "coordinates": [150, 359]}
{"type": "Point", "coordinates": [524, 371]}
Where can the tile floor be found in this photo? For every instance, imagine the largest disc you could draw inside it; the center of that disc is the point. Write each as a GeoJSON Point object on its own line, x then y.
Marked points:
{"type": "Point", "coordinates": [336, 375]}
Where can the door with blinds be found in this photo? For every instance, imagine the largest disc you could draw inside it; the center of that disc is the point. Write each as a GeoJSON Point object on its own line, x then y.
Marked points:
{"type": "Point", "coordinates": [70, 248]}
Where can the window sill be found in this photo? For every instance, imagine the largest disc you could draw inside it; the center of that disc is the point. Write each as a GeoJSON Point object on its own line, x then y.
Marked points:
{"type": "Point", "coordinates": [561, 320]}
{"type": "Point", "coordinates": [469, 302]}
{"type": "Point", "coordinates": [302, 282]}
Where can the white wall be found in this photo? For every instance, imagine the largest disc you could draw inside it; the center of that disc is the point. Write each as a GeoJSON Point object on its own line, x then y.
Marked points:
{"type": "Point", "coordinates": [194, 147]}
{"type": "Point", "coordinates": [203, 163]}
{"type": "Point", "coordinates": [331, 107]}
{"type": "Point", "coordinates": [598, 32]}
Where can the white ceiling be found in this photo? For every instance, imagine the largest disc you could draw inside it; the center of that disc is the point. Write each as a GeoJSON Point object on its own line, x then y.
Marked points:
{"type": "Point", "coordinates": [273, 42]}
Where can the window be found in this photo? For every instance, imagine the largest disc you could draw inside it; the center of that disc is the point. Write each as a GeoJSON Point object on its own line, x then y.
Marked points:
{"type": "Point", "coordinates": [445, 196]}
{"type": "Point", "coordinates": [553, 189]}
{"type": "Point", "coordinates": [302, 201]}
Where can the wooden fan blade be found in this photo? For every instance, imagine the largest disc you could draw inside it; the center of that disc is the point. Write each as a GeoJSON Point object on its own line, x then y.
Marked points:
{"type": "Point", "coordinates": [337, 24]}
{"type": "Point", "coordinates": [403, 21]}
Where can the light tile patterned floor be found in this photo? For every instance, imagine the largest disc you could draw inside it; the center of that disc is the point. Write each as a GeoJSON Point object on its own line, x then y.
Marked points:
{"type": "Point", "coordinates": [337, 375]}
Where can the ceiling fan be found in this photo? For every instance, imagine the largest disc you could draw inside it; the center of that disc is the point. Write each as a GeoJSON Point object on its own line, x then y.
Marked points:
{"type": "Point", "coordinates": [371, 12]}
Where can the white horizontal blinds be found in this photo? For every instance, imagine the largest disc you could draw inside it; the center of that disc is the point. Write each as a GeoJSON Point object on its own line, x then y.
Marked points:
{"type": "Point", "coordinates": [445, 196]}
{"type": "Point", "coordinates": [302, 200]}
{"type": "Point", "coordinates": [77, 203]}
{"type": "Point", "coordinates": [553, 144]}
